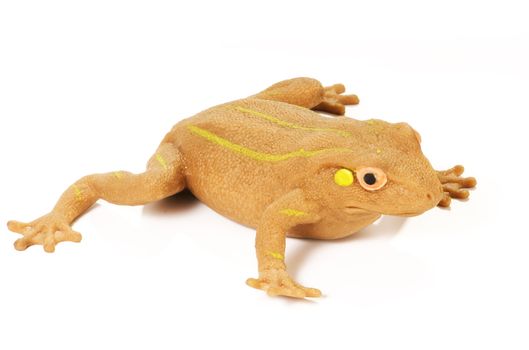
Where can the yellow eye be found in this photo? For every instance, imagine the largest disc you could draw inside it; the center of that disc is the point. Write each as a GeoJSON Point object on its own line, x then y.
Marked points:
{"type": "Point", "coordinates": [371, 178]}
{"type": "Point", "coordinates": [344, 177]}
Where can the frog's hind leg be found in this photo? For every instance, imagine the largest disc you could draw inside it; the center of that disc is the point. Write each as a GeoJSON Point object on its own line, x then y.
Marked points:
{"type": "Point", "coordinates": [163, 178]}
{"type": "Point", "coordinates": [309, 93]}
{"type": "Point", "coordinates": [334, 102]}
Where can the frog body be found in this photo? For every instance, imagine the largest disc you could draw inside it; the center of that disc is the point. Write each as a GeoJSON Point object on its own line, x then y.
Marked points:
{"type": "Point", "coordinates": [269, 161]}
{"type": "Point", "coordinates": [281, 162]}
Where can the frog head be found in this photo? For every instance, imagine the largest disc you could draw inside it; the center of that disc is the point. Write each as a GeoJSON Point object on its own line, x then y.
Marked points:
{"type": "Point", "coordinates": [384, 171]}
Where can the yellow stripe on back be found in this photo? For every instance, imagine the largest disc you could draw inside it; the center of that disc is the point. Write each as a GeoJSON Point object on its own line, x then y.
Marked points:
{"type": "Point", "coordinates": [250, 153]}
{"type": "Point", "coordinates": [288, 124]}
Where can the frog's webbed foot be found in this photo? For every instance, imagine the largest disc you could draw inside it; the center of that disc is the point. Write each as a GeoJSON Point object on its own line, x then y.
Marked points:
{"type": "Point", "coordinates": [454, 185]}
{"type": "Point", "coordinates": [333, 100]}
{"type": "Point", "coordinates": [48, 230]}
{"type": "Point", "coordinates": [278, 282]}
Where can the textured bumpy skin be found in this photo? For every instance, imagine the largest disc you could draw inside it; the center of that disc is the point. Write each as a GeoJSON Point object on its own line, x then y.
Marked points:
{"type": "Point", "coordinates": [270, 162]}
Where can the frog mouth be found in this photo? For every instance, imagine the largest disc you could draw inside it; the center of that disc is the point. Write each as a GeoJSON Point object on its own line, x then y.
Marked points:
{"type": "Point", "coordinates": [355, 211]}
{"type": "Point", "coordinates": [409, 214]}
{"type": "Point", "coordinates": [358, 211]}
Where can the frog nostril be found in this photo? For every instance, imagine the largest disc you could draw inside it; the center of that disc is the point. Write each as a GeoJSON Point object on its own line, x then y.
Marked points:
{"type": "Point", "coordinates": [433, 198]}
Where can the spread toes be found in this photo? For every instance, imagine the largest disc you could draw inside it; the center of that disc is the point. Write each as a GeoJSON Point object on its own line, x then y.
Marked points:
{"type": "Point", "coordinates": [455, 186]}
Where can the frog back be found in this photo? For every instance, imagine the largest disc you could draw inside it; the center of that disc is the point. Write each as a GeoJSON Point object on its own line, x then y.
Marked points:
{"type": "Point", "coordinates": [241, 156]}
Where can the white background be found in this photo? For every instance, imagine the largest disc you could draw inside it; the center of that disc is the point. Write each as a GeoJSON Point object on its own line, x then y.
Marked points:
{"type": "Point", "coordinates": [92, 86]}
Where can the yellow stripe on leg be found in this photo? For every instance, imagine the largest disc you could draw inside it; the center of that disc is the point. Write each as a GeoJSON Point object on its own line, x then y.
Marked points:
{"type": "Point", "coordinates": [276, 255]}
{"type": "Point", "coordinates": [292, 212]}
{"type": "Point", "coordinates": [78, 193]}
{"type": "Point", "coordinates": [162, 161]}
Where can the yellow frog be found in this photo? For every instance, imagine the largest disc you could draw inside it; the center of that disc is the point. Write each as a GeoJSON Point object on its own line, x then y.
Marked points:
{"type": "Point", "coordinates": [270, 162]}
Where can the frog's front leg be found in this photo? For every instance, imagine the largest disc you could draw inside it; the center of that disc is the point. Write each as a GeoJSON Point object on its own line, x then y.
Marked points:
{"type": "Point", "coordinates": [454, 185]}
{"type": "Point", "coordinates": [309, 93]}
{"type": "Point", "coordinates": [163, 178]}
{"type": "Point", "coordinates": [285, 213]}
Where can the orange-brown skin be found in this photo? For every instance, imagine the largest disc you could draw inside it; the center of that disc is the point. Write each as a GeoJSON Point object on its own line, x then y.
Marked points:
{"type": "Point", "coordinates": [268, 161]}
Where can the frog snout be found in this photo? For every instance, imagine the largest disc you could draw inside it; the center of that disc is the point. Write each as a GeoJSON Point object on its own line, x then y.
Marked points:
{"type": "Point", "coordinates": [422, 202]}
{"type": "Point", "coordinates": [434, 197]}
{"type": "Point", "coordinates": [427, 199]}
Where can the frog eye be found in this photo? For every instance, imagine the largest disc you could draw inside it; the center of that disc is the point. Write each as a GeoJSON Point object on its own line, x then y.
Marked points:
{"type": "Point", "coordinates": [344, 177]}
{"type": "Point", "coordinates": [371, 178]}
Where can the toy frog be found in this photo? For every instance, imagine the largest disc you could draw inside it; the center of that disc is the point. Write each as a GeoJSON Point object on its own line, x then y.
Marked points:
{"type": "Point", "coordinates": [270, 162]}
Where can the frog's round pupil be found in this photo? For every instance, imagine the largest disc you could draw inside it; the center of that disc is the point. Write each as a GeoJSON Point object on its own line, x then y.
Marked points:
{"type": "Point", "coordinates": [370, 178]}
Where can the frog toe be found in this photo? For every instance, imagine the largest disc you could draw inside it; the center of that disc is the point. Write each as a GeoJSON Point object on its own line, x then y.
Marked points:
{"type": "Point", "coordinates": [334, 101]}
{"type": "Point", "coordinates": [454, 185]}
